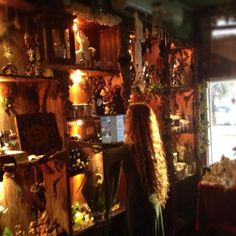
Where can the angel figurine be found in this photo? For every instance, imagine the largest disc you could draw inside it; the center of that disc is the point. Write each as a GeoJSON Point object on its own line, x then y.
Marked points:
{"type": "Point", "coordinates": [34, 67]}
{"type": "Point", "coordinates": [10, 68]}
{"type": "Point", "coordinates": [85, 54]}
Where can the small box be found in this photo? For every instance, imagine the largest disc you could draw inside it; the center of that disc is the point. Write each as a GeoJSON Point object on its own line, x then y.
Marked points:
{"type": "Point", "coordinates": [112, 128]}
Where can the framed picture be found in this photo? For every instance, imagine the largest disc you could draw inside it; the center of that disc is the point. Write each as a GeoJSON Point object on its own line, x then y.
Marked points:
{"type": "Point", "coordinates": [38, 133]}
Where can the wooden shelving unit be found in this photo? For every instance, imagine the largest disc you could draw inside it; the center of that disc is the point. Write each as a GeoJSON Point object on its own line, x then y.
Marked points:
{"type": "Point", "coordinates": [25, 79]}
{"type": "Point", "coordinates": [87, 71]}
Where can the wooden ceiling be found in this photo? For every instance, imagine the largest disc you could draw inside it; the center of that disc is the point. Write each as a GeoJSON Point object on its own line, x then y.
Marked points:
{"type": "Point", "coordinates": [20, 4]}
{"type": "Point", "coordinates": [193, 4]}
{"type": "Point", "coordinates": [201, 3]}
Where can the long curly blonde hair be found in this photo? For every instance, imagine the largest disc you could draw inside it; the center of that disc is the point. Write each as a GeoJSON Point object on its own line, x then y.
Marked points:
{"type": "Point", "coordinates": [142, 133]}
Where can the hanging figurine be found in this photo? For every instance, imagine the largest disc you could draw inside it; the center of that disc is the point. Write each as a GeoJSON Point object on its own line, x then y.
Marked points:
{"type": "Point", "coordinates": [32, 49]}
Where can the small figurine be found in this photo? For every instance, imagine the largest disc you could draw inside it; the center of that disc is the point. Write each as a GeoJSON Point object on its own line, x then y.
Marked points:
{"type": "Point", "coordinates": [34, 67]}
{"type": "Point", "coordinates": [98, 101]}
{"type": "Point", "coordinates": [85, 54]}
{"type": "Point", "coordinates": [181, 149]}
{"type": "Point", "coordinates": [118, 101]}
{"type": "Point", "coordinates": [10, 68]}
{"type": "Point", "coordinates": [19, 231]}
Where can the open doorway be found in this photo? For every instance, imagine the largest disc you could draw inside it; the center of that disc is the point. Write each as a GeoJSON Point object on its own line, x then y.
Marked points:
{"type": "Point", "coordinates": [222, 119]}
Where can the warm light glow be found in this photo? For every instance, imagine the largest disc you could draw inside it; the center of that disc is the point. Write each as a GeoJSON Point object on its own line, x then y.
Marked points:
{"type": "Point", "coordinates": [75, 25]}
{"type": "Point", "coordinates": [131, 36]}
{"type": "Point", "coordinates": [75, 130]}
{"type": "Point", "coordinates": [75, 90]}
{"type": "Point", "coordinates": [76, 77]}
{"type": "Point", "coordinates": [78, 179]}
{"type": "Point", "coordinates": [172, 45]}
{"type": "Point", "coordinates": [1, 191]}
{"type": "Point", "coordinates": [79, 122]}
{"type": "Point", "coordinates": [76, 186]}
{"type": "Point", "coordinates": [1, 94]}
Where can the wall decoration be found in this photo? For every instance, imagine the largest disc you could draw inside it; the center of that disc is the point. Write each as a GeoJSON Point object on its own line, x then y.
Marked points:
{"type": "Point", "coordinates": [7, 98]}
{"type": "Point", "coordinates": [203, 120]}
{"type": "Point", "coordinates": [38, 133]}
{"type": "Point", "coordinates": [32, 49]}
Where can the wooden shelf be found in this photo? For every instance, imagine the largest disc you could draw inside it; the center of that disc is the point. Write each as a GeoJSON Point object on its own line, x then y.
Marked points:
{"type": "Point", "coordinates": [79, 232]}
{"type": "Point", "coordinates": [170, 90]}
{"type": "Point", "coordinates": [188, 131]}
{"type": "Point", "coordinates": [19, 4]}
{"type": "Point", "coordinates": [80, 118]}
{"type": "Point", "coordinates": [24, 79]}
{"type": "Point", "coordinates": [88, 71]}
{"type": "Point", "coordinates": [77, 172]}
{"type": "Point", "coordinates": [180, 89]}
{"type": "Point", "coordinates": [119, 211]}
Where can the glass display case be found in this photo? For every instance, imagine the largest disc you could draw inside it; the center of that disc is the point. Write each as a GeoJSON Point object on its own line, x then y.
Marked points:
{"type": "Point", "coordinates": [86, 185]}
{"type": "Point", "coordinates": [68, 188]}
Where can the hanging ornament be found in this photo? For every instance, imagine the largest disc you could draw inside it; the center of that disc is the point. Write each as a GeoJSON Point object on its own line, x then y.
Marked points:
{"type": "Point", "coordinates": [32, 49]}
{"type": "Point", "coordinates": [10, 68]}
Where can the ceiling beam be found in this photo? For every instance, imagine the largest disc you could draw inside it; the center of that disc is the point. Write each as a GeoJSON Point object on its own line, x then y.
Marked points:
{"type": "Point", "coordinates": [19, 4]}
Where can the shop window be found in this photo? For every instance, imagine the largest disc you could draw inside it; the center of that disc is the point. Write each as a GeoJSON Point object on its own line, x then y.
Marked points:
{"type": "Point", "coordinates": [222, 119]}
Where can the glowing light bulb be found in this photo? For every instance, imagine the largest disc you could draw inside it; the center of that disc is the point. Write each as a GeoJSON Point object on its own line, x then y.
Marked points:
{"type": "Point", "coordinates": [77, 76]}
{"type": "Point", "coordinates": [79, 122]}
{"type": "Point", "coordinates": [75, 25]}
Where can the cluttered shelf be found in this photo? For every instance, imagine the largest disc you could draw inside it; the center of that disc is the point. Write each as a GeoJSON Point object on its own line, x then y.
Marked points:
{"type": "Point", "coordinates": [89, 72]}
{"type": "Point", "coordinates": [84, 230]}
{"type": "Point", "coordinates": [24, 79]}
{"type": "Point", "coordinates": [187, 131]}
{"type": "Point", "coordinates": [99, 226]}
{"type": "Point", "coordinates": [117, 210]}
{"type": "Point", "coordinates": [172, 89]}
{"type": "Point", "coordinates": [84, 118]}
{"type": "Point", "coordinates": [216, 198]}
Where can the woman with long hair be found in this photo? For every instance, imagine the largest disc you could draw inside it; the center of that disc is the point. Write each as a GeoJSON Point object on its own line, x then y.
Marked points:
{"type": "Point", "coordinates": [145, 170]}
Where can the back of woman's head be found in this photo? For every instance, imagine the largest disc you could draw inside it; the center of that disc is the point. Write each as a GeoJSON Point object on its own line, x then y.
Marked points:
{"type": "Point", "coordinates": [142, 133]}
{"type": "Point", "coordinates": [138, 121]}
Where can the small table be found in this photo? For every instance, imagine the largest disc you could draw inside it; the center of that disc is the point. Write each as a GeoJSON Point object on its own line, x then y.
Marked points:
{"type": "Point", "coordinates": [216, 209]}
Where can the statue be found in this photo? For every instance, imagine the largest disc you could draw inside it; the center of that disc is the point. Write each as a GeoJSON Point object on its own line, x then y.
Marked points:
{"type": "Point", "coordinates": [118, 101]}
{"type": "Point", "coordinates": [85, 54]}
{"type": "Point", "coordinates": [10, 68]}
